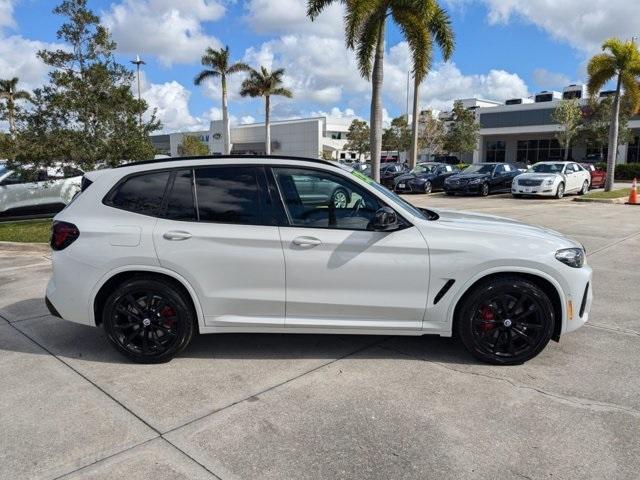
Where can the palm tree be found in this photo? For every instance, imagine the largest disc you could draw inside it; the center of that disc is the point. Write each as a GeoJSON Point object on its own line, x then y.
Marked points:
{"type": "Point", "coordinates": [621, 61]}
{"type": "Point", "coordinates": [9, 92]}
{"type": "Point", "coordinates": [365, 22]}
{"type": "Point", "coordinates": [264, 83]}
{"type": "Point", "coordinates": [218, 60]}
{"type": "Point", "coordinates": [436, 26]}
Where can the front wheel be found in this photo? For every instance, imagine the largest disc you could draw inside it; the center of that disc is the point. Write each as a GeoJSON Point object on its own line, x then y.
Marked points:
{"type": "Point", "coordinates": [148, 320]}
{"type": "Point", "coordinates": [484, 189]}
{"type": "Point", "coordinates": [560, 191]}
{"type": "Point", "coordinates": [506, 321]}
{"type": "Point", "coordinates": [428, 188]}
{"type": "Point", "coordinates": [340, 198]}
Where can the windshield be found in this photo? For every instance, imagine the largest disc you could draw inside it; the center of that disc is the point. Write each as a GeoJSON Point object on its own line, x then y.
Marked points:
{"type": "Point", "coordinates": [3, 170]}
{"type": "Point", "coordinates": [548, 168]}
{"type": "Point", "coordinates": [424, 168]}
{"type": "Point", "coordinates": [479, 168]}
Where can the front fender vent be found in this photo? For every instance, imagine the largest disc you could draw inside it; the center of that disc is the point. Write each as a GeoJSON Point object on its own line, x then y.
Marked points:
{"type": "Point", "coordinates": [443, 291]}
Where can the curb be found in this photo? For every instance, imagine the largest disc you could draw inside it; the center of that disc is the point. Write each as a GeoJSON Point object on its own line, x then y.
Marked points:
{"type": "Point", "coordinates": [25, 247]}
{"type": "Point", "coordinates": [618, 201]}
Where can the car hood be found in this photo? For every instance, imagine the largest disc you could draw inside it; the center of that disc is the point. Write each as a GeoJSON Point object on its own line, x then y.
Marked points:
{"type": "Point", "coordinates": [538, 176]}
{"type": "Point", "coordinates": [412, 176]}
{"type": "Point", "coordinates": [468, 176]}
{"type": "Point", "coordinates": [478, 223]}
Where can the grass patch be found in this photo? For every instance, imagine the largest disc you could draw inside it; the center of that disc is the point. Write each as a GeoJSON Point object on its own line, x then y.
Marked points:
{"type": "Point", "coordinates": [622, 193]}
{"type": "Point", "coordinates": [29, 231]}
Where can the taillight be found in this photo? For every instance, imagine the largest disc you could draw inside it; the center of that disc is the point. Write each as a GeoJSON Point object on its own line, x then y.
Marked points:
{"type": "Point", "coordinates": [63, 234]}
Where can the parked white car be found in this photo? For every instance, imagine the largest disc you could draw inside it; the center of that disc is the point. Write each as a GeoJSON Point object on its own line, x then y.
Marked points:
{"type": "Point", "coordinates": [155, 251]}
{"type": "Point", "coordinates": [552, 179]}
{"type": "Point", "coordinates": [49, 189]}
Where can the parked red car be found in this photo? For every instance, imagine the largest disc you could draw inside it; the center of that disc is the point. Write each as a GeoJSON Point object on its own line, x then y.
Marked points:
{"type": "Point", "coordinates": [598, 175]}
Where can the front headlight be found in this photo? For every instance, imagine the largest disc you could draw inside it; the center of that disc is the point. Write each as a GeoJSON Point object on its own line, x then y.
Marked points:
{"type": "Point", "coordinates": [574, 257]}
{"type": "Point", "coordinates": [549, 181]}
{"type": "Point", "coordinates": [476, 180]}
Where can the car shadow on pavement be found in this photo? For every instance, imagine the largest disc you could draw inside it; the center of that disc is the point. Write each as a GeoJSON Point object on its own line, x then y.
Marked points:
{"type": "Point", "coordinates": [82, 342]}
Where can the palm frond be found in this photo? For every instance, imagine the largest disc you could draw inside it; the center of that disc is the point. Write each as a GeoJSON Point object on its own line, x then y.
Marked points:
{"type": "Point", "coordinates": [282, 92]}
{"type": "Point", "coordinates": [238, 67]}
{"type": "Point", "coordinates": [415, 32]}
{"type": "Point", "coordinates": [358, 11]}
{"type": "Point", "coordinates": [315, 7]}
{"type": "Point", "coordinates": [631, 90]}
{"type": "Point", "coordinates": [442, 31]}
{"type": "Point", "coordinates": [204, 75]}
{"type": "Point", "coordinates": [366, 44]}
{"type": "Point", "coordinates": [601, 69]}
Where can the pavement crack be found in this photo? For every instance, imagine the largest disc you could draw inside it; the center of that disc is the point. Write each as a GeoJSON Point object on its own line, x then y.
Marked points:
{"type": "Point", "coordinates": [623, 331]}
{"type": "Point", "coordinates": [606, 247]}
{"type": "Point", "coordinates": [573, 401]}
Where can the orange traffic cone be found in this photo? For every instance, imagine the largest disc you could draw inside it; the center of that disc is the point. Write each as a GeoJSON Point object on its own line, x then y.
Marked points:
{"type": "Point", "coordinates": [633, 195]}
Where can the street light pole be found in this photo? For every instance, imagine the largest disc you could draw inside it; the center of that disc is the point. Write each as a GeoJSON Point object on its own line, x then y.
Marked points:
{"type": "Point", "coordinates": [137, 62]}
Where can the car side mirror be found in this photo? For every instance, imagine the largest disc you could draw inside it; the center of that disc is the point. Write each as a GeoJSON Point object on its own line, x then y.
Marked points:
{"type": "Point", "coordinates": [385, 220]}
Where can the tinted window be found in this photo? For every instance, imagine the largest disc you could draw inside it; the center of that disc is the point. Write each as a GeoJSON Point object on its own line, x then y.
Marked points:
{"type": "Point", "coordinates": [228, 195]}
{"type": "Point", "coordinates": [330, 201]}
{"type": "Point", "coordinates": [141, 193]}
{"type": "Point", "coordinates": [180, 204]}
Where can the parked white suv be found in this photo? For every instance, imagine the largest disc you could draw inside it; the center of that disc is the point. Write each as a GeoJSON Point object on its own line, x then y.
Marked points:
{"type": "Point", "coordinates": [50, 188]}
{"type": "Point", "coordinates": [156, 250]}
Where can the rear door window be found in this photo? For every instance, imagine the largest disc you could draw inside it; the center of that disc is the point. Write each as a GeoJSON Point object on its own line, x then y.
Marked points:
{"type": "Point", "coordinates": [228, 194]}
{"type": "Point", "coordinates": [140, 193]}
{"type": "Point", "coordinates": [180, 200]}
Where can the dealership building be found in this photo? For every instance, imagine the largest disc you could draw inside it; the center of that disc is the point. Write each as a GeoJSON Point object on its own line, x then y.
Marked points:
{"type": "Point", "coordinates": [307, 137]}
{"type": "Point", "coordinates": [522, 130]}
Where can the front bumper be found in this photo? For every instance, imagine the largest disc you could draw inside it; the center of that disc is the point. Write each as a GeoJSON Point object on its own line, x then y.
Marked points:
{"type": "Point", "coordinates": [578, 297]}
{"type": "Point", "coordinates": [465, 188]}
{"type": "Point", "coordinates": [539, 190]}
{"type": "Point", "coordinates": [409, 187]}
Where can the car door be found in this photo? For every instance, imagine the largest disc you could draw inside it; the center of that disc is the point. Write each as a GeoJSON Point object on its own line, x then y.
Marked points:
{"type": "Point", "coordinates": [574, 179]}
{"type": "Point", "coordinates": [340, 273]}
{"type": "Point", "coordinates": [216, 232]}
{"type": "Point", "coordinates": [17, 192]}
{"type": "Point", "coordinates": [498, 178]}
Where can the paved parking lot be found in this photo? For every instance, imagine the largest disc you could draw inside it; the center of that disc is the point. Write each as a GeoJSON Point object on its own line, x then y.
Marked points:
{"type": "Point", "coordinates": [326, 407]}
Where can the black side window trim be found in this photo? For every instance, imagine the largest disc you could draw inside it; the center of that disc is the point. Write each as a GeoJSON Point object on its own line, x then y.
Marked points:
{"type": "Point", "coordinates": [402, 220]}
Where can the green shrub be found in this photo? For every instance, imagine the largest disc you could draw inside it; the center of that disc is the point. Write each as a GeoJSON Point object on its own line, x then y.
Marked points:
{"type": "Point", "coordinates": [462, 166]}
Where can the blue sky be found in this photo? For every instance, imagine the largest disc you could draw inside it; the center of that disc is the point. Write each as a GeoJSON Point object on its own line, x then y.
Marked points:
{"type": "Point", "coordinates": [505, 48]}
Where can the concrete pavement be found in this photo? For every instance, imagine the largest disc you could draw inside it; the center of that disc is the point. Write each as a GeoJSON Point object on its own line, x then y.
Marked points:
{"type": "Point", "coordinates": [318, 407]}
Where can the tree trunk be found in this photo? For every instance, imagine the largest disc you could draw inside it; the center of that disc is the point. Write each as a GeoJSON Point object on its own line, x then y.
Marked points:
{"type": "Point", "coordinates": [613, 139]}
{"type": "Point", "coordinates": [267, 125]}
{"type": "Point", "coordinates": [376, 104]}
{"type": "Point", "coordinates": [226, 129]}
{"type": "Point", "coordinates": [413, 157]}
{"type": "Point", "coordinates": [567, 144]}
{"type": "Point", "coordinates": [12, 121]}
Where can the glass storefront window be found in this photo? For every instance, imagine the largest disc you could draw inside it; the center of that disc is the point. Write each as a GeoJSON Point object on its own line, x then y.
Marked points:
{"type": "Point", "coordinates": [633, 150]}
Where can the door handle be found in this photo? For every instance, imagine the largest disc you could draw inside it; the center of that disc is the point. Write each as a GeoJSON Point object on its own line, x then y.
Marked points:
{"type": "Point", "coordinates": [307, 241]}
{"type": "Point", "coordinates": [177, 236]}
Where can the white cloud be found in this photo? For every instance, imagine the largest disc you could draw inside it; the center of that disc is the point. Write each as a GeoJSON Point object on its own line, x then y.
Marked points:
{"type": "Point", "coordinates": [548, 80]}
{"type": "Point", "coordinates": [6, 14]}
{"type": "Point", "coordinates": [18, 59]}
{"type": "Point", "coordinates": [290, 16]}
{"type": "Point", "coordinates": [584, 24]}
{"type": "Point", "coordinates": [170, 30]}
{"type": "Point", "coordinates": [247, 119]}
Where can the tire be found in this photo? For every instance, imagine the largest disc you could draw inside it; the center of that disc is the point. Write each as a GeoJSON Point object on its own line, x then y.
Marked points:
{"type": "Point", "coordinates": [340, 198]}
{"type": "Point", "coordinates": [428, 187]}
{"type": "Point", "coordinates": [489, 336]}
{"type": "Point", "coordinates": [585, 188]}
{"type": "Point", "coordinates": [484, 189]}
{"type": "Point", "coordinates": [560, 191]}
{"type": "Point", "coordinates": [148, 331]}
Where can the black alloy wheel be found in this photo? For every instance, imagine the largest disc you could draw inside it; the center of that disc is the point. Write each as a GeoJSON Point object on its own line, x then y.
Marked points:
{"type": "Point", "coordinates": [506, 321]}
{"type": "Point", "coordinates": [148, 320]}
{"type": "Point", "coordinates": [484, 189]}
{"type": "Point", "coordinates": [428, 188]}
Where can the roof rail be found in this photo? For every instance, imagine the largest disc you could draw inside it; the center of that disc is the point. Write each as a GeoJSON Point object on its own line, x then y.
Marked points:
{"type": "Point", "coordinates": [223, 157]}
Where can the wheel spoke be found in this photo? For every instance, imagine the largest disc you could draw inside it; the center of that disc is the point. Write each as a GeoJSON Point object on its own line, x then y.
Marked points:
{"type": "Point", "coordinates": [510, 346]}
{"type": "Point", "coordinates": [125, 325]}
{"type": "Point", "coordinates": [144, 341]}
{"type": "Point", "coordinates": [530, 326]}
{"type": "Point", "coordinates": [166, 330]}
{"type": "Point", "coordinates": [523, 335]}
{"type": "Point", "coordinates": [131, 336]}
{"type": "Point", "coordinates": [133, 303]}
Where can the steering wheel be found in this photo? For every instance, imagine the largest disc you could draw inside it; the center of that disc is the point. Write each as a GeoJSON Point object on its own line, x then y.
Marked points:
{"type": "Point", "coordinates": [356, 207]}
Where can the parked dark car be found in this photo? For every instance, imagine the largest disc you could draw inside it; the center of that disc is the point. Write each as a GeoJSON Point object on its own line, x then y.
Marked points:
{"type": "Point", "coordinates": [482, 179]}
{"type": "Point", "coordinates": [594, 158]}
{"type": "Point", "coordinates": [389, 172]}
{"type": "Point", "coordinates": [448, 159]}
{"type": "Point", "coordinates": [314, 190]}
{"type": "Point", "coordinates": [425, 178]}
{"type": "Point", "coordinates": [598, 175]}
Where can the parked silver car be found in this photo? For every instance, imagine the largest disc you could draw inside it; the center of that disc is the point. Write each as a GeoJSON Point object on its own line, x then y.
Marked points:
{"type": "Point", "coordinates": [48, 189]}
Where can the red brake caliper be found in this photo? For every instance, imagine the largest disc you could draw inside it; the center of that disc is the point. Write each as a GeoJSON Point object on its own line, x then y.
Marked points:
{"type": "Point", "coordinates": [488, 316]}
{"type": "Point", "coordinates": [166, 313]}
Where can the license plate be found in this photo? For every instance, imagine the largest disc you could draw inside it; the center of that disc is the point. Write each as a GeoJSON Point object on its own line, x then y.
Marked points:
{"type": "Point", "coordinates": [401, 185]}
{"type": "Point", "coordinates": [528, 190]}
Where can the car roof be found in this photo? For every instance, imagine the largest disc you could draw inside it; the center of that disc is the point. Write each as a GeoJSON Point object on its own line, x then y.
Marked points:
{"type": "Point", "coordinates": [226, 157]}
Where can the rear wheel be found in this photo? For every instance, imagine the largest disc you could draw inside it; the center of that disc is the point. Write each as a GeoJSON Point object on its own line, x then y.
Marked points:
{"type": "Point", "coordinates": [506, 320]}
{"type": "Point", "coordinates": [585, 188]}
{"type": "Point", "coordinates": [340, 198]}
{"type": "Point", "coordinates": [148, 320]}
{"type": "Point", "coordinates": [560, 190]}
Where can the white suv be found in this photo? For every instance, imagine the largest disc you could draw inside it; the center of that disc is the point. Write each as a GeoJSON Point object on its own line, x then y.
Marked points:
{"type": "Point", "coordinates": [154, 251]}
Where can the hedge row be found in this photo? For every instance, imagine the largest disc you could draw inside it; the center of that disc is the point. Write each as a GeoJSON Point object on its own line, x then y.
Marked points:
{"type": "Point", "coordinates": [624, 171]}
